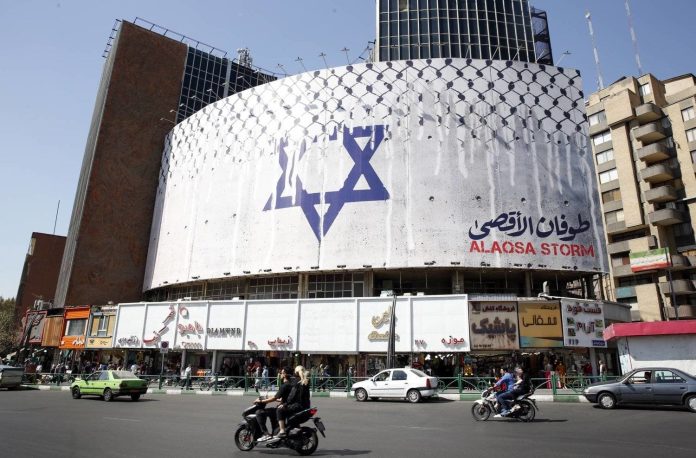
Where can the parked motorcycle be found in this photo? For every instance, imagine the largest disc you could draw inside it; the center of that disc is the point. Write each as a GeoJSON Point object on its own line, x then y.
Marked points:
{"type": "Point", "coordinates": [523, 408]}
{"type": "Point", "coordinates": [302, 439]}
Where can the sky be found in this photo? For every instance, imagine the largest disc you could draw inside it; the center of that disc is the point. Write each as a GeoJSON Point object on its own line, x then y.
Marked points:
{"type": "Point", "coordinates": [51, 63]}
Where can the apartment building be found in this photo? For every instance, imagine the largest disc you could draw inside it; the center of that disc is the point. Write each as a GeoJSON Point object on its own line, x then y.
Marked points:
{"type": "Point", "coordinates": [643, 136]}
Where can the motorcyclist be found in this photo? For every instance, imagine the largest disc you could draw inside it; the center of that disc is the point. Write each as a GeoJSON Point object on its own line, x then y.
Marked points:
{"type": "Point", "coordinates": [522, 385]}
{"type": "Point", "coordinates": [504, 383]}
{"type": "Point", "coordinates": [281, 396]}
{"type": "Point", "coordinates": [297, 400]}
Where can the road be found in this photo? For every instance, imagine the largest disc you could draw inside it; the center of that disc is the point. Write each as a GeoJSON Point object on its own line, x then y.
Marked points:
{"type": "Point", "coordinates": [52, 424]}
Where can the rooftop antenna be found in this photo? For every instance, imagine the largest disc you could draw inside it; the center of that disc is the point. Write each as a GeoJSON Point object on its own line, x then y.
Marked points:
{"type": "Point", "coordinates": [323, 56]}
{"type": "Point", "coordinates": [600, 80]}
{"type": "Point", "coordinates": [565, 53]}
{"type": "Point", "coordinates": [55, 221]}
{"type": "Point", "coordinates": [633, 37]}
{"type": "Point", "coordinates": [280, 66]}
{"type": "Point", "coordinates": [244, 57]}
{"type": "Point", "coordinates": [345, 50]}
{"type": "Point", "coordinates": [301, 61]}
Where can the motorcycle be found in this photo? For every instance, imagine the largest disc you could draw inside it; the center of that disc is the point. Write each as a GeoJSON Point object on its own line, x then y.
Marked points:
{"type": "Point", "coordinates": [524, 408]}
{"type": "Point", "coordinates": [302, 439]}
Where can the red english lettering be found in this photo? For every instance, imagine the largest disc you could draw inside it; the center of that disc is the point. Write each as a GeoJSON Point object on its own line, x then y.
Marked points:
{"type": "Point", "coordinates": [545, 249]}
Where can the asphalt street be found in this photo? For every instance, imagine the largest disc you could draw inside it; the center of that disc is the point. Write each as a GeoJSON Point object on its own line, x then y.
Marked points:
{"type": "Point", "coordinates": [52, 424]}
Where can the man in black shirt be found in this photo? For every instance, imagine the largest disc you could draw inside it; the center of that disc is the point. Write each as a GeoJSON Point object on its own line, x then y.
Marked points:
{"type": "Point", "coordinates": [280, 396]}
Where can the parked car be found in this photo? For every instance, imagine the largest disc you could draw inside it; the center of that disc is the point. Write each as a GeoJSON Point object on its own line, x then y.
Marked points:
{"type": "Point", "coordinates": [654, 385]}
{"type": "Point", "coordinates": [404, 383]}
{"type": "Point", "coordinates": [109, 384]}
{"type": "Point", "coordinates": [11, 377]}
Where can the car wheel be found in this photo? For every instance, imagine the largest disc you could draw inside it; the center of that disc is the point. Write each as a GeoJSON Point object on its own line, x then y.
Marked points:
{"type": "Point", "coordinates": [360, 395]}
{"type": "Point", "coordinates": [135, 396]}
{"type": "Point", "coordinates": [76, 393]}
{"type": "Point", "coordinates": [690, 403]}
{"type": "Point", "coordinates": [413, 396]}
{"type": "Point", "coordinates": [108, 395]}
{"type": "Point", "coordinates": [606, 401]}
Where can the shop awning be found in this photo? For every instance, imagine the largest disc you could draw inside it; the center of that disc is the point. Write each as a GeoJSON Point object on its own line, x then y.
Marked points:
{"type": "Point", "coordinates": [655, 328]}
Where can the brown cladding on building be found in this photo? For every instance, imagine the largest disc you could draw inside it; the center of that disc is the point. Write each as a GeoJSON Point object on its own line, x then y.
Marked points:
{"type": "Point", "coordinates": [40, 272]}
{"type": "Point", "coordinates": [110, 226]}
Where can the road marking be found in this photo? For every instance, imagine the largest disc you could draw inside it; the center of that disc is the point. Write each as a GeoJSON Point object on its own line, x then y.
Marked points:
{"type": "Point", "coordinates": [120, 419]}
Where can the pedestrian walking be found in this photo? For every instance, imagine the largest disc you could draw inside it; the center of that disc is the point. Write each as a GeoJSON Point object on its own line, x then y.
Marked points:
{"type": "Point", "coordinates": [187, 376]}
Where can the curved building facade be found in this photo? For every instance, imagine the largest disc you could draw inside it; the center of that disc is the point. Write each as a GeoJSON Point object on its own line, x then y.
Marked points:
{"type": "Point", "coordinates": [423, 164]}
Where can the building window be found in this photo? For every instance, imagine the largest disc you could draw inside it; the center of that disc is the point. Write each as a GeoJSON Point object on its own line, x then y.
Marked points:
{"type": "Point", "coordinates": [75, 327]}
{"type": "Point", "coordinates": [614, 217]}
{"type": "Point", "coordinates": [192, 292]}
{"type": "Point", "coordinates": [285, 287]}
{"type": "Point", "coordinates": [645, 89]}
{"type": "Point", "coordinates": [597, 118]}
{"type": "Point", "coordinates": [693, 156]}
{"type": "Point", "coordinates": [224, 290]}
{"type": "Point", "coordinates": [602, 137]}
{"type": "Point", "coordinates": [335, 285]}
{"type": "Point", "coordinates": [635, 280]}
{"type": "Point", "coordinates": [618, 261]}
{"type": "Point", "coordinates": [691, 135]}
{"type": "Point", "coordinates": [609, 175]}
{"type": "Point", "coordinates": [688, 114]}
{"type": "Point", "coordinates": [611, 196]}
{"type": "Point", "coordinates": [605, 156]}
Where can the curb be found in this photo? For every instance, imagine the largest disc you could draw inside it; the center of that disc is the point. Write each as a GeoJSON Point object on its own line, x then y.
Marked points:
{"type": "Point", "coordinates": [572, 398]}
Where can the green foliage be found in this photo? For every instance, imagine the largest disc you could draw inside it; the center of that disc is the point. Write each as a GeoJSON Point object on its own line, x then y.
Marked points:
{"type": "Point", "coordinates": [8, 333]}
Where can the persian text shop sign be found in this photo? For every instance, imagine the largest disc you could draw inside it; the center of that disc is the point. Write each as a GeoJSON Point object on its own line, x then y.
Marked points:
{"type": "Point", "coordinates": [540, 324]}
{"type": "Point", "coordinates": [650, 260]}
{"type": "Point", "coordinates": [583, 323]}
{"type": "Point", "coordinates": [493, 325]}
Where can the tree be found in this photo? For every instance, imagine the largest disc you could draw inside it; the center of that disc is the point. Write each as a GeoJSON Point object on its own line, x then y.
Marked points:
{"type": "Point", "coordinates": [8, 331]}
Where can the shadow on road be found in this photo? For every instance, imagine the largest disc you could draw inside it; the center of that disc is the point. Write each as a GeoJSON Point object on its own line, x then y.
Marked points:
{"type": "Point", "coordinates": [648, 407]}
{"type": "Point", "coordinates": [319, 452]}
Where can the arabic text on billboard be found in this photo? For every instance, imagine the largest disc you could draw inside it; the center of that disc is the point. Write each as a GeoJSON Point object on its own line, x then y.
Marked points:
{"type": "Point", "coordinates": [493, 325]}
{"type": "Point", "coordinates": [540, 325]}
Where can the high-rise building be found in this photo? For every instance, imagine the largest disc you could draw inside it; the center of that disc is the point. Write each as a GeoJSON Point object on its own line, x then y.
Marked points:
{"type": "Point", "coordinates": [152, 79]}
{"type": "Point", "coordinates": [643, 134]}
{"type": "Point", "coordinates": [474, 29]}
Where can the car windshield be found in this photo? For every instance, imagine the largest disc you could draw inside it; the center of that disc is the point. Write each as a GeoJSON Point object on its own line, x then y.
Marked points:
{"type": "Point", "coordinates": [123, 375]}
{"type": "Point", "coordinates": [419, 373]}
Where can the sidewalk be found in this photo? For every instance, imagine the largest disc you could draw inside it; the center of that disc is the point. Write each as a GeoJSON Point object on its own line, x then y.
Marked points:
{"type": "Point", "coordinates": [540, 395]}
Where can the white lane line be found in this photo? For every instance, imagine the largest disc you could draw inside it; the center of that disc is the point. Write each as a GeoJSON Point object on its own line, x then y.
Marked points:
{"type": "Point", "coordinates": [121, 419]}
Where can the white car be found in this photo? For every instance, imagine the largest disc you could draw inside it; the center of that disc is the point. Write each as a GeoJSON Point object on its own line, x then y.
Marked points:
{"type": "Point", "coordinates": [403, 383]}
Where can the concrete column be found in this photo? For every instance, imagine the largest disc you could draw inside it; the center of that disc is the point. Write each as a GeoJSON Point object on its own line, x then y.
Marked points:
{"type": "Point", "coordinates": [528, 284]}
{"type": "Point", "coordinates": [593, 362]}
{"type": "Point", "coordinates": [214, 362]}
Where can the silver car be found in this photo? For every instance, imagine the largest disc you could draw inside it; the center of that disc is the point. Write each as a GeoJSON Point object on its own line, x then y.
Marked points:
{"type": "Point", "coordinates": [649, 385]}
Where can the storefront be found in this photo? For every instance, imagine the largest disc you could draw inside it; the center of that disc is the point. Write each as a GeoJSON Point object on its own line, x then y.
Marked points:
{"type": "Point", "coordinates": [444, 335]}
{"type": "Point", "coordinates": [72, 344]}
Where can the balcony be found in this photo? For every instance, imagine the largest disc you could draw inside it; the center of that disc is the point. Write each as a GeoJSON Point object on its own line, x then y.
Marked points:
{"type": "Point", "coordinates": [685, 312]}
{"type": "Point", "coordinates": [621, 271]}
{"type": "Point", "coordinates": [613, 228]}
{"type": "Point", "coordinates": [666, 217]}
{"type": "Point", "coordinates": [665, 193]}
{"type": "Point", "coordinates": [639, 244]}
{"type": "Point", "coordinates": [657, 173]}
{"type": "Point", "coordinates": [648, 112]}
{"type": "Point", "coordinates": [680, 287]}
{"type": "Point", "coordinates": [650, 133]}
{"type": "Point", "coordinates": [655, 152]}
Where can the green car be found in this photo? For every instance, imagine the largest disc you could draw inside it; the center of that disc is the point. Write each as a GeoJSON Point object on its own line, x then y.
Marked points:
{"type": "Point", "coordinates": [109, 384]}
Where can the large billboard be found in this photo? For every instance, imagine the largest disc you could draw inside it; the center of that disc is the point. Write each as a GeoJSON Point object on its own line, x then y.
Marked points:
{"type": "Point", "coordinates": [392, 164]}
{"type": "Point", "coordinates": [583, 323]}
{"type": "Point", "coordinates": [494, 325]}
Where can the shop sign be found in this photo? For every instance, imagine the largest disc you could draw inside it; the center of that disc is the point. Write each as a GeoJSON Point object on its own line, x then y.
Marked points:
{"type": "Point", "coordinates": [131, 341]}
{"type": "Point", "coordinates": [540, 325]}
{"type": "Point", "coordinates": [494, 326]}
{"type": "Point", "coordinates": [440, 323]}
{"type": "Point", "coordinates": [189, 346]}
{"type": "Point", "coordinates": [224, 332]}
{"type": "Point", "coordinates": [36, 323]}
{"type": "Point", "coordinates": [98, 342]}
{"type": "Point", "coordinates": [278, 342]}
{"type": "Point", "coordinates": [583, 324]}
{"type": "Point", "coordinates": [378, 321]}
{"type": "Point", "coordinates": [155, 336]}
{"type": "Point", "coordinates": [72, 342]}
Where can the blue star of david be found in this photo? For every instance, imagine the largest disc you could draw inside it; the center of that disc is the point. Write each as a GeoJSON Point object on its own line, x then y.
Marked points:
{"type": "Point", "coordinates": [347, 193]}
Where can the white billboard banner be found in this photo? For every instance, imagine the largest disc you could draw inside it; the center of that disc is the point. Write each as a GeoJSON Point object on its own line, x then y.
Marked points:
{"type": "Point", "coordinates": [191, 326]}
{"type": "Point", "coordinates": [328, 326]}
{"type": "Point", "coordinates": [129, 326]}
{"type": "Point", "coordinates": [393, 164]}
{"type": "Point", "coordinates": [441, 324]}
{"type": "Point", "coordinates": [160, 323]}
{"type": "Point", "coordinates": [225, 330]}
{"type": "Point", "coordinates": [271, 325]}
{"type": "Point", "coordinates": [374, 320]}
{"type": "Point", "coordinates": [583, 323]}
